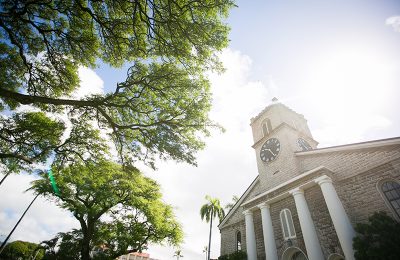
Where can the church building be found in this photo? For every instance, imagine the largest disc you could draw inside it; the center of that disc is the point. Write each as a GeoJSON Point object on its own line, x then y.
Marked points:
{"type": "Point", "coordinates": [305, 201]}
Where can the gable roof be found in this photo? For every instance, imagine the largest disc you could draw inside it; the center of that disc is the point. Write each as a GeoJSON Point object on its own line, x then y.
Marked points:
{"type": "Point", "coordinates": [275, 104]}
{"type": "Point", "coordinates": [239, 202]}
{"type": "Point", "coordinates": [292, 180]}
{"type": "Point", "coordinates": [354, 146]}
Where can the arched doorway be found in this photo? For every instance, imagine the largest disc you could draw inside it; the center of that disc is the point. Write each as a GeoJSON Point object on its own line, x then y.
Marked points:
{"type": "Point", "coordinates": [335, 257]}
{"type": "Point", "coordinates": [293, 253]}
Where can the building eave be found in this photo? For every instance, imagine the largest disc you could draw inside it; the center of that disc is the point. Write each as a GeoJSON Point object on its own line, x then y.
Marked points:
{"type": "Point", "coordinates": [354, 146]}
{"type": "Point", "coordinates": [317, 169]}
{"type": "Point", "coordinates": [239, 202]}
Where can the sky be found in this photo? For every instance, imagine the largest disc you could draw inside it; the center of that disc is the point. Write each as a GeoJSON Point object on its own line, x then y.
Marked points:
{"type": "Point", "coordinates": [335, 62]}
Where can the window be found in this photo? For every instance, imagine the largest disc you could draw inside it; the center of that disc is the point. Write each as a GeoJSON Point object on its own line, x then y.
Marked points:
{"type": "Point", "coordinates": [391, 190]}
{"type": "Point", "coordinates": [238, 241]}
{"type": "Point", "coordinates": [287, 224]}
{"type": "Point", "coordinates": [267, 127]}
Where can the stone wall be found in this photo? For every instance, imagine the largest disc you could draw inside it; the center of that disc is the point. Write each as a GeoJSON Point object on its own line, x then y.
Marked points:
{"type": "Point", "coordinates": [275, 210]}
{"type": "Point", "coordinates": [349, 163]}
{"type": "Point", "coordinates": [322, 221]}
{"type": "Point", "coordinates": [228, 237]}
{"type": "Point", "coordinates": [360, 194]}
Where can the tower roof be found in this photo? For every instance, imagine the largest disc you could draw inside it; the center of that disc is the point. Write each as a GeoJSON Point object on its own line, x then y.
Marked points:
{"type": "Point", "coordinates": [275, 103]}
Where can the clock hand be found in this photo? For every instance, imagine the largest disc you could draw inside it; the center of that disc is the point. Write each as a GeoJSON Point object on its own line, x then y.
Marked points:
{"type": "Point", "coordinates": [271, 152]}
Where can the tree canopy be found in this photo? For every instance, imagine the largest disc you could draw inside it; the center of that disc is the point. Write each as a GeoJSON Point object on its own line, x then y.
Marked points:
{"type": "Point", "coordinates": [21, 250]}
{"type": "Point", "coordinates": [160, 109]}
{"type": "Point", "coordinates": [377, 239]}
{"type": "Point", "coordinates": [230, 205]}
{"type": "Point", "coordinates": [131, 202]}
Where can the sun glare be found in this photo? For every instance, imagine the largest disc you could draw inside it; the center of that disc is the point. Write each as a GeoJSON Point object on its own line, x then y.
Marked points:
{"type": "Point", "coordinates": [350, 89]}
{"type": "Point", "coordinates": [350, 80]}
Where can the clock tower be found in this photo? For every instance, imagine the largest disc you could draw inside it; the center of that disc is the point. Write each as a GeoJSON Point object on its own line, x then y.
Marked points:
{"type": "Point", "coordinates": [278, 133]}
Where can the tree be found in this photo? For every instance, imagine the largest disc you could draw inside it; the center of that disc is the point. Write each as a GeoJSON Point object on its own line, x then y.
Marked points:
{"type": "Point", "coordinates": [132, 203]}
{"type": "Point", "coordinates": [178, 254]}
{"type": "Point", "coordinates": [209, 211]}
{"type": "Point", "coordinates": [205, 250]}
{"type": "Point", "coordinates": [161, 108]}
{"type": "Point", "coordinates": [377, 239]}
{"type": "Point", "coordinates": [230, 205]}
{"type": "Point", "coordinates": [20, 250]}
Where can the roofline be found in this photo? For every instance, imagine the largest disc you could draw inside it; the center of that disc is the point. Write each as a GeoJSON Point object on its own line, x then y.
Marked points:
{"type": "Point", "coordinates": [354, 146]}
{"type": "Point", "coordinates": [253, 119]}
{"type": "Point", "coordinates": [281, 125]}
{"type": "Point", "coordinates": [227, 216]}
{"type": "Point", "coordinates": [319, 168]}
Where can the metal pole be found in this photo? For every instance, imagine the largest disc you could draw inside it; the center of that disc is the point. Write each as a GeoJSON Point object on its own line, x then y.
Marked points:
{"type": "Point", "coordinates": [12, 231]}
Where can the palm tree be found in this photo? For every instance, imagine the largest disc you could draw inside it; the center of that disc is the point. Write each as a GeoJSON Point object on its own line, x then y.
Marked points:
{"type": "Point", "coordinates": [205, 250]}
{"type": "Point", "coordinates": [178, 254]}
{"type": "Point", "coordinates": [209, 211]}
{"type": "Point", "coordinates": [230, 205]}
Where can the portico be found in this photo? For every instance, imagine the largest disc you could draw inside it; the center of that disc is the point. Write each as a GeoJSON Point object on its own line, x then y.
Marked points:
{"type": "Point", "coordinates": [337, 213]}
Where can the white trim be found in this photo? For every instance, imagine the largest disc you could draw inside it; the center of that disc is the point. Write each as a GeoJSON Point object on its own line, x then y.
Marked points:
{"type": "Point", "coordinates": [284, 211]}
{"type": "Point", "coordinates": [274, 130]}
{"type": "Point", "coordinates": [319, 168]}
{"type": "Point", "coordinates": [385, 199]}
{"type": "Point", "coordinates": [292, 248]}
{"type": "Point", "coordinates": [236, 238]}
{"type": "Point", "coordinates": [238, 203]}
{"type": "Point", "coordinates": [355, 146]}
{"type": "Point", "coordinates": [334, 256]}
{"type": "Point", "coordinates": [268, 127]}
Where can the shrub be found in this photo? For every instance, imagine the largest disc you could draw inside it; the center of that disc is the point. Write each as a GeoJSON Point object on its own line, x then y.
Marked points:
{"type": "Point", "coordinates": [379, 239]}
{"type": "Point", "coordinates": [238, 255]}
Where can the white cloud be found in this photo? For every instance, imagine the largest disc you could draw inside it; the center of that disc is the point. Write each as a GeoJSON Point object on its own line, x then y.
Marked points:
{"type": "Point", "coordinates": [235, 98]}
{"type": "Point", "coordinates": [90, 83]}
{"type": "Point", "coordinates": [349, 129]}
{"type": "Point", "coordinates": [347, 94]}
{"type": "Point", "coordinates": [394, 21]}
{"type": "Point", "coordinates": [43, 220]}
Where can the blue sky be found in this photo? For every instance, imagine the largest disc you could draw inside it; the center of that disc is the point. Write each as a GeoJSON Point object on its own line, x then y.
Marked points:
{"type": "Point", "coordinates": [335, 62]}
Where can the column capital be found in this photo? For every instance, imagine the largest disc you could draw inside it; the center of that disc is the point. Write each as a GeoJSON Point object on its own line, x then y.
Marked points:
{"type": "Point", "coordinates": [248, 212]}
{"type": "Point", "coordinates": [323, 179]}
{"type": "Point", "coordinates": [263, 205]}
{"type": "Point", "coordinates": [296, 191]}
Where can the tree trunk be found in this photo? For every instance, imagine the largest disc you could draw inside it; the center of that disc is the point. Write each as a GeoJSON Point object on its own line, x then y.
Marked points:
{"type": "Point", "coordinates": [87, 238]}
{"type": "Point", "coordinates": [85, 250]}
{"type": "Point", "coordinates": [209, 239]}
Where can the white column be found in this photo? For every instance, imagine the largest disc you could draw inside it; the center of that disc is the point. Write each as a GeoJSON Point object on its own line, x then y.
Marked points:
{"type": "Point", "coordinates": [341, 222]}
{"type": "Point", "coordinates": [250, 236]}
{"type": "Point", "coordinates": [268, 231]}
{"type": "Point", "coordinates": [313, 247]}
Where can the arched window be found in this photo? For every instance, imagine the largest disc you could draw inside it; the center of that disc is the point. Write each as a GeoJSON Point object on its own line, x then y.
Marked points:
{"type": "Point", "coordinates": [266, 126]}
{"type": "Point", "coordinates": [298, 256]}
{"type": "Point", "coordinates": [391, 190]}
{"type": "Point", "coordinates": [238, 241]}
{"type": "Point", "coordinates": [287, 224]}
{"type": "Point", "coordinates": [335, 257]}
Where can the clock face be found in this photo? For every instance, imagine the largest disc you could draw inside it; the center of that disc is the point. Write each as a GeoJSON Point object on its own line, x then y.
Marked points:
{"type": "Point", "coordinates": [304, 146]}
{"type": "Point", "coordinates": [270, 150]}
